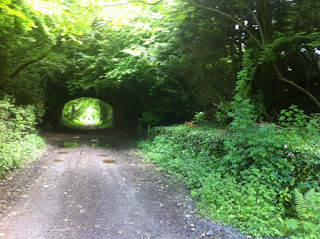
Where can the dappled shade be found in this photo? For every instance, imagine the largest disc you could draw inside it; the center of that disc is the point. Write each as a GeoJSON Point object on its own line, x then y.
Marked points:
{"type": "Point", "coordinates": [89, 113]}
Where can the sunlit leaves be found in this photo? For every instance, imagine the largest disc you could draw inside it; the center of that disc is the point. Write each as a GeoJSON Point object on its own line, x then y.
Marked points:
{"type": "Point", "coordinates": [9, 9]}
{"type": "Point", "coordinates": [68, 18]}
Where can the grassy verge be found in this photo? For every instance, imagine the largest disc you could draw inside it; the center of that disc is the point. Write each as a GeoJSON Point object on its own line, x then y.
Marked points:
{"type": "Point", "coordinates": [248, 178]}
{"type": "Point", "coordinates": [19, 142]}
{"type": "Point", "coordinates": [17, 153]}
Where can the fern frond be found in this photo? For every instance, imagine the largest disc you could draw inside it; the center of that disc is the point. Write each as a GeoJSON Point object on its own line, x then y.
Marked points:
{"type": "Point", "coordinates": [310, 194]}
{"type": "Point", "coordinates": [304, 204]}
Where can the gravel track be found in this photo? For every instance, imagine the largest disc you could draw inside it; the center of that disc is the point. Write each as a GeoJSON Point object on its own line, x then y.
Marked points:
{"type": "Point", "coordinates": [101, 191]}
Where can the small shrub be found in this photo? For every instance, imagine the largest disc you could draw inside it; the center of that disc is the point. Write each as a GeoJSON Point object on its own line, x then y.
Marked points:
{"type": "Point", "coordinates": [199, 118]}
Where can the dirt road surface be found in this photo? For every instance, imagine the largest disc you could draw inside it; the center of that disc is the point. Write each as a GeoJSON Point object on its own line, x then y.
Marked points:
{"type": "Point", "coordinates": [100, 189]}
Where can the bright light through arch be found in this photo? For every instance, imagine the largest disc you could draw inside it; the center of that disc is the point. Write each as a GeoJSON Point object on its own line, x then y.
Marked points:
{"type": "Point", "coordinates": [87, 113]}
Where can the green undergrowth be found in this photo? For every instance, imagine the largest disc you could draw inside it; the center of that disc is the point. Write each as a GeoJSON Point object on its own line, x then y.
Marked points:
{"type": "Point", "coordinates": [19, 142]}
{"type": "Point", "coordinates": [17, 153]}
{"type": "Point", "coordinates": [246, 174]}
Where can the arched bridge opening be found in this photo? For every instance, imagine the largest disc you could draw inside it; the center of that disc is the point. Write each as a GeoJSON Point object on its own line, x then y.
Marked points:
{"type": "Point", "coordinates": [122, 111]}
{"type": "Point", "coordinates": [87, 113]}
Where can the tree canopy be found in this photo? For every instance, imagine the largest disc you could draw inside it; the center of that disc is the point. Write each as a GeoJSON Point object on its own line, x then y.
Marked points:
{"type": "Point", "coordinates": [161, 61]}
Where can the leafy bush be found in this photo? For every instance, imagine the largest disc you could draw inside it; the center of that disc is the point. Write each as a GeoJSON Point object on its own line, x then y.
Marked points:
{"type": "Point", "coordinates": [302, 148]}
{"type": "Point", "coordinates": [246, 174]}
{"type": "Point", "coordinates": [15, 121]}
{"type": "Point", "coordinates": [18, 141]}
{"type": "Point", "coordinates": [199, 118]}
{"type": "Point", "coordinates": [222, 114]}
{"type": "Point", "coordinates": [293, 117]}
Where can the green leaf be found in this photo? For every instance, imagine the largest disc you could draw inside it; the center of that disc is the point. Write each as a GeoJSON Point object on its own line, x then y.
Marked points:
{"type": "Point", "coordinates": [292, 223]}
{"type": "Point", "coordinates": [310, 227]}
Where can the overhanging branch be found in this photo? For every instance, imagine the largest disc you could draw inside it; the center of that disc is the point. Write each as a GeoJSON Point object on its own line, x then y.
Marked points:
{"type": "Point", "coordinates": [30, 62]}
{"type": "Point", "coordinates": [281, 78]}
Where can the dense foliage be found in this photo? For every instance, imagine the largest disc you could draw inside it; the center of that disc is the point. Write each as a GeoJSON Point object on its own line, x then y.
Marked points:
{"type": "Point", "coordinates": [18, 139]}
{"type": "Point", "coordinates": [160, 61]}
{"type": "Point", "coordinates": [247, 174]}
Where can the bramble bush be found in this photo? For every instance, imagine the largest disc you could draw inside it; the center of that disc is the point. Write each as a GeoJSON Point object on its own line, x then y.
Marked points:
{"type": "Point", "coordinates": [19, 142]}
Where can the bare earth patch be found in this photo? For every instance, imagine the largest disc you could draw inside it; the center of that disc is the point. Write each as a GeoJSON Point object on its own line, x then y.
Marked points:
{"type": "Point", "coordinates": [98, 192]}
